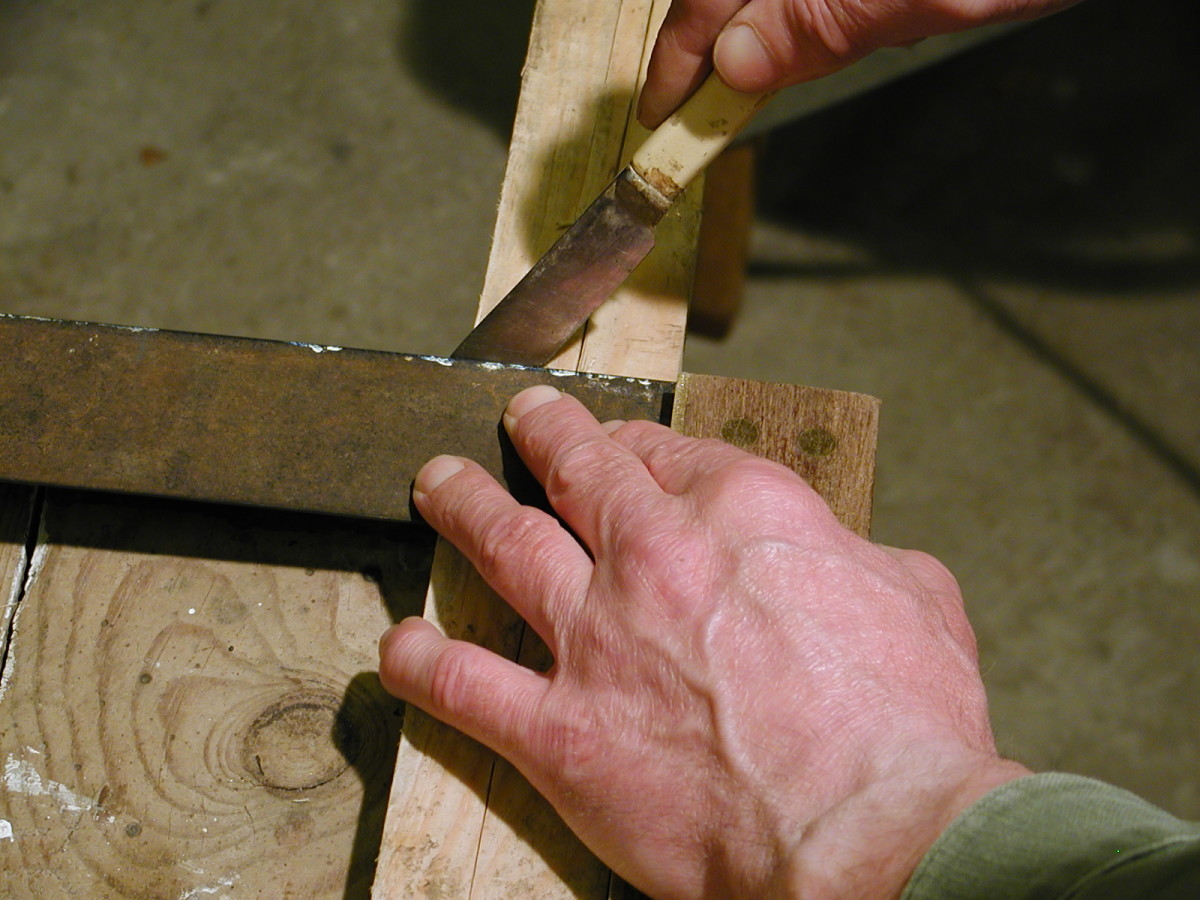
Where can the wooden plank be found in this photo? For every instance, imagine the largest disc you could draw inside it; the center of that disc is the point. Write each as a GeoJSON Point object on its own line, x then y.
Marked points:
{"type": "Point", "coordinates": [525, 849]}
{"type": "Point", "coordinates": [191, 708]}
{"type": "Point", "coordinates": [574, 129]}
{"type": "Point", "coordinates": [16, 510]}
{"type": "Point", "coordinates": [827, 437]}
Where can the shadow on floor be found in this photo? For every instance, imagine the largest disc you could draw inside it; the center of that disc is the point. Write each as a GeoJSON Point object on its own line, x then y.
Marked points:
{"type": "Point", "coordinates": [469, 53]}
{"type": "Point", "coordinates": [1063, 154]}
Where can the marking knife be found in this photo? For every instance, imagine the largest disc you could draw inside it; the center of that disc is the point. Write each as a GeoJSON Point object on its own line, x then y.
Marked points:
{"type": "Point", "coordinates": [591, 259]}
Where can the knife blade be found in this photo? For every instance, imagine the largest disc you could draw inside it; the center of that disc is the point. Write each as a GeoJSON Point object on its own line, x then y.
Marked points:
{"type": "Point", "coordinates": [615, 233]}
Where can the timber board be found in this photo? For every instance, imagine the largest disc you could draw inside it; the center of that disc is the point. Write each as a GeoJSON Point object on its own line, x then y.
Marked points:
{"type": "Point", "coordinates": [191, 705]}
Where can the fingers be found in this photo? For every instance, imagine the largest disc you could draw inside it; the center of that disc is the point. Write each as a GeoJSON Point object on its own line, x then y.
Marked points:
{"type": "Point", "coordinates": [591, 480]}
{"type": "Point", "coordinates": [682, 55]}
{"type": "Point", "coordinates": [758, 45]}
{"type": "Point", "coordinates": [754, 46]}
{"type": "Point", "coordinates": [472, 689]}
{"type": "Point", "coordinates": [928, 570]}
{"type": "Point", "coordinates": [676, 462]}
{"type": "Point", "coordinates": [523, 553]}
{"type": "Point", "coordinates": [773, 43]}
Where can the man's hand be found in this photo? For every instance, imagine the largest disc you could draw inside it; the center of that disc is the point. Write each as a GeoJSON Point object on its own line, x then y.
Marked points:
{"type": "Point", "coordinates": [747, 699]}
{"type": "Point", "coordinates": [758, 45]}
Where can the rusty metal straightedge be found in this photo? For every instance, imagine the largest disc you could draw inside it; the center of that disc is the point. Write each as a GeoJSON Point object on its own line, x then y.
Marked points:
{"type": "Point", "coordinates": [265, 423]}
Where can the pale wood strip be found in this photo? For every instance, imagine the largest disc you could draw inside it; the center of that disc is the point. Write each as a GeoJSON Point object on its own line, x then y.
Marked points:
{"type": "Point", "coordinates": [568, 135]}
{"type": "Point", "coordinates": [640, 331]}
{"type": "Point", "coordinates": [569, 138]}
{"type": "Point", "coordinates": [525, 849]}
{"type": "Point", "coordinates": [16, 507]}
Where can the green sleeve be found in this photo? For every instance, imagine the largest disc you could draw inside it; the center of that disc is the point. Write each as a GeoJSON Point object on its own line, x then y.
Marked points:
{"type": "Point", "coordinates": [1061, 836]}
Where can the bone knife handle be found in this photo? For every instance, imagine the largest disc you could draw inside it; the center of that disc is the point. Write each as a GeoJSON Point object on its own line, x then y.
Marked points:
{"type": "Point", "coordinates": [679, 149]}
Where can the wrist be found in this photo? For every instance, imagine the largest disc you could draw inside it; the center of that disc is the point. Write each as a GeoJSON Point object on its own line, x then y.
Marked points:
{"type": "Point", "coordinates": [870, 844]}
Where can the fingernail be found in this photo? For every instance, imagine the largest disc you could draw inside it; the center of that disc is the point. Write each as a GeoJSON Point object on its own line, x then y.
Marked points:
{"type": "Point", "coordinates": [528, 400]}
{"type": "Point", "coordinates": [742, 60]}
{"type": "Point", "coordinates": [610, 427]}
{"type": "Point", "coordinates": [435, 472]}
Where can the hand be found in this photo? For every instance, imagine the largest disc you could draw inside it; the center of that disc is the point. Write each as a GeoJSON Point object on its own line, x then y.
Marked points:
{"type": "Point", "coordinates": [747, 699]}
{"type": "Point", "coordinates": [758, 45]}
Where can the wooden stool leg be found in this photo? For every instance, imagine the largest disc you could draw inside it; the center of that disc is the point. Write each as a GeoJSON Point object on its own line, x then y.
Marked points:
{"type": "Point", "coordinates": [724, 240]}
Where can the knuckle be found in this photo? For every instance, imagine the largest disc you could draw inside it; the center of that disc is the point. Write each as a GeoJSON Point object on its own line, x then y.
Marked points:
{"type": "Point", "coordinates": [637, 430]}
{"type": "Point", "coordinates": [573, 744]}
{"type": "Point", "coordinates": [510, 537]}
{"type": "Point", "coordinates": [654, 444]}
{"type": "Point", "coordinates": [580, 466]}
{"type": "Point", "coordinates": [931, 572]}
{"type": "Point", "coordinates": [451, 682]}
{"type": "Point", "coordinates": [768, 489]}
{"type": "Point", "coordinates": [817, 22]}
{"type": "Point", "coordinates": [826, 32]}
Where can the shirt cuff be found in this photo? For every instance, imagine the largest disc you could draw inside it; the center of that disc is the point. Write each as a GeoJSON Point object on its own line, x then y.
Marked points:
{"type": "Point", "coordinates": [1057, 835]}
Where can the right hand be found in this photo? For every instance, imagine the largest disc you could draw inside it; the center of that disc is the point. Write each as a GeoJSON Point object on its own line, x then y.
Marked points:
{"type": "Point", "coordinates": [759, 45]}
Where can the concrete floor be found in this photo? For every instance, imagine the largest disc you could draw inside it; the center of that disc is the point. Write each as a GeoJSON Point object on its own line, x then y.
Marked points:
{"type": "Point", "coordinates": [1005, 249]}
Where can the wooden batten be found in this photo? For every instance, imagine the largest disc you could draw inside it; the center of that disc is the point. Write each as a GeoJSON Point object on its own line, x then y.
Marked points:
{"type": "Point", "coordinates": [16, 510]}
{"type": "Point", "coordinates": [461, 822]}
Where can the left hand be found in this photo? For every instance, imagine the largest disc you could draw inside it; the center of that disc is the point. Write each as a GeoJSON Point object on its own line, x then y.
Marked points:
{"type": "Point", "coordinates": [746, 700]}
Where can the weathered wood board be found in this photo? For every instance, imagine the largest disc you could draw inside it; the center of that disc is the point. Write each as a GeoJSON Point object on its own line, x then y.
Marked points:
{"type": "Point", "coordinates": [827, 437]}
{"type": "Point", "coordinates": [190, 703]}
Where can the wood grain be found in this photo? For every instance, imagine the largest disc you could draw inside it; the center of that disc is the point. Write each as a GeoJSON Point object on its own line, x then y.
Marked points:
{"type": "Point", "coordinates": [192, 708]}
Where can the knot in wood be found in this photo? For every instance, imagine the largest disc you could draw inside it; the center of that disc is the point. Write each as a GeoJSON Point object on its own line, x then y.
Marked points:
{"type": "Point", "coordinates": [300, 742]}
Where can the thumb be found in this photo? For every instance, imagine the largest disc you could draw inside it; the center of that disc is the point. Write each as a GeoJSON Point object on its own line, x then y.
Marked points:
{"type": "Point", "coordinates": [488, 697]}
{"type": "Point", "coordinates": [770, 44]}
